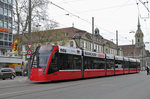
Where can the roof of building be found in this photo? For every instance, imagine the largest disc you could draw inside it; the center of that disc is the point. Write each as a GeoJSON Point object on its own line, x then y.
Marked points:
{"type": "Point", "coordinates": [131, 50]}
{"type": "Point", "coordinates": [70, 32]}
{"type": "Point", "coordinates": [139, 31]}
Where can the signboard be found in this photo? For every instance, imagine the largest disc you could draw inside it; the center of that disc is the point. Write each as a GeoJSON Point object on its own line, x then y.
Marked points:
{"type": "Point", "coordinates": [4, 30]}
{"type": "Point", "coordinates": [67, 50]}
{"type": "Point", "coordinates": [29, 46]}
{"type": "Point", "coordinates": [29, 52]}
{"type": "Point", "coordinates": [94, 54]}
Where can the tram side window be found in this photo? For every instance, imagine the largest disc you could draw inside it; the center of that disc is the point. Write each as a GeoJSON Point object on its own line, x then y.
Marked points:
{"type": "Point", "coordinates": [118, 64]}
{"type": "Point", "coordinates": [35, 61]}
{"type": "Point", "coordinates": [126, 64]}
{"type": "Point", "coordinates": [54, 64]}
{"type": "Point", "coordinates": [132, 65]}
{"type": "Point", "coordinates": [67, 62]}
{"type": "Point", "coordinates": [94, 63]}
{"type": "Point", "coordinates": [138, 65]}
{"type": "Point", "coordinates": [110, 64]}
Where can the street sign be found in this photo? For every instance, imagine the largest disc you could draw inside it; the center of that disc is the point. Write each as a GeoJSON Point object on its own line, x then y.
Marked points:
{"type": "Point", "coordinates": [29, 46]}
{"type": "Point", "coordinates": [29, 52]}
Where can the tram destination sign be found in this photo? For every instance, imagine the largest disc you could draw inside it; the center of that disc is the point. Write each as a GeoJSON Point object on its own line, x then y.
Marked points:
{"type": "Point", "coordinates": [110, 56]}
{"type": "Point", "coordinates": [94, 54]}
{"type": "Point", "coordinates": [67, 50]}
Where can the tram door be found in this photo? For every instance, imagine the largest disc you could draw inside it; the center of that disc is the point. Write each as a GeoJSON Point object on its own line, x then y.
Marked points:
{"type": "Point", "coordinates": [110, 64]}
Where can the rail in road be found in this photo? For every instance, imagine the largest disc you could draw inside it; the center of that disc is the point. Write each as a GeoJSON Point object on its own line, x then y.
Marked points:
{"type": "Point", "coordinates": [132, 86]}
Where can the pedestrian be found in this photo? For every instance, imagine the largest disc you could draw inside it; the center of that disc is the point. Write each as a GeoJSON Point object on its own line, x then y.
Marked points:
{"type": "Point", "coordinates": [147, 69]}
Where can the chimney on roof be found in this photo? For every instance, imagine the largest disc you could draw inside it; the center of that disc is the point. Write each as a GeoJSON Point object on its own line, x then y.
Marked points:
{"type": "Point", "coordinates": [72, 24]}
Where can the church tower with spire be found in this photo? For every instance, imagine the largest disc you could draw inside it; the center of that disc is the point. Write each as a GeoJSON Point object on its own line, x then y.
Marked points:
{"type": "Point", "coordinates": [139, 36]}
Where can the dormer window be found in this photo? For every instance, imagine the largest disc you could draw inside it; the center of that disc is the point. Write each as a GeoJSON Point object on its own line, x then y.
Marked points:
{"type": "Point", "coordinates": [138, 40]}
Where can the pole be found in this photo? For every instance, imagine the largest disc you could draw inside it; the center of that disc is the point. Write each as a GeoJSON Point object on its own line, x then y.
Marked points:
{"type": "Point", "coordinates": [132, 41]}
{"type": "Point", "coordinates": [29, 31]}
{"type": "Point", "coordinates": [93, 34]}
{"type": "Point", "coordinates": [142, 56]}
{"type": "Point", "coordinates": [117, 41]}
{"type": "Point", "coordinates": [132, 48]}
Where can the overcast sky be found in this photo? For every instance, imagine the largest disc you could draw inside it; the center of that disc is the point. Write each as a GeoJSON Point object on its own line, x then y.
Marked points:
{"type": "Point", "coordinates": [109, 16]}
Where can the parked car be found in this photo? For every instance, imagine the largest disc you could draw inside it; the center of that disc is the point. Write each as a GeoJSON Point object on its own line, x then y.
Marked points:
{"type": "Point", "coordinates": [7, 73]}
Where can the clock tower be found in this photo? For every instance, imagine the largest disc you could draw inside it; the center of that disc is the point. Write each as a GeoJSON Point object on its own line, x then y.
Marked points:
{"type": "Point", "coordinates": [139, 36]}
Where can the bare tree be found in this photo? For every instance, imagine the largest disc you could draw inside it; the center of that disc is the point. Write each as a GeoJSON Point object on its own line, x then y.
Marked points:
{"type": "Point", "coordinates": [39, 15]}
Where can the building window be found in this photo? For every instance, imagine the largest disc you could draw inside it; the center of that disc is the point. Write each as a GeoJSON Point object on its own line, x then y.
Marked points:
{"type": "Point", "coordinates": [87, 45]}
{"type": "Point", "coordinates": [71, 43]}
{"type": "Point", "coordinates": [84, 46]}
{"type": "Point", "coordinates": [5, 12]}
{"type": "Point", "coordinates": [5, 25]}
{"type": "Point", "coordinates": [9, 25]}
{"type": "Point", "coordinates": [9, 1]}
{"type": "Point", "coordinates": [1, 11]}
{"type": "Point", "coordinates": [106, 50]}
{"type": "Point", "coordinates": [9, 13]}
{"type": "Point", "coordinates": [138, 40]}
{"type": "Point", "coordinates": [10, 37]}
{"type": "Point", "coordinates": [97, 48]}
{"type": "Point", "coordinates": [5, 1]}
{"type": "Point", "coordinates": [6, 44]}
{"type": "Point", "coordinates": [1, 23]}
{"type": "Point", "coordinates": [91, 46]}
{"type": "Point", "coordinates": [6, 37]}
{"type": "Point", "coordinates": [1, 36]}
{"type": "Point", "coordinates": [10, 43]}
{"type": "Point", "coordinates": [1, 43]}
{"type": "Point", "coordinates": [100, 49]}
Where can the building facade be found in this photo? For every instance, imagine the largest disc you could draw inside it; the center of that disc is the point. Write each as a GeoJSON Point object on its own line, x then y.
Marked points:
{"type": "Point", "coordinates": [70, 37]}
{"type": "Point", "coordinates": [6, 37]}
{"type": "Point", "coordinates": [137, 50]}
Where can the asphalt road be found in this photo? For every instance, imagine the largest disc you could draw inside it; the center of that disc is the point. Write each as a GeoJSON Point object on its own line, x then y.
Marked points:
{"type": "Point", "coordinates": [132, 86]}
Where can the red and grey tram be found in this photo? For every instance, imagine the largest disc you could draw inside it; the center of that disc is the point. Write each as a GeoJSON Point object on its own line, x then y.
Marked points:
{"type": "Point", "coordinates": [53, 63]}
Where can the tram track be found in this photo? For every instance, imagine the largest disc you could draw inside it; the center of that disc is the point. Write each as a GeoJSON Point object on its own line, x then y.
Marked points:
{"type": "Point", "coordinates": [38, 89]}
{"type": "Point", "coordinates": [35, 90]}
